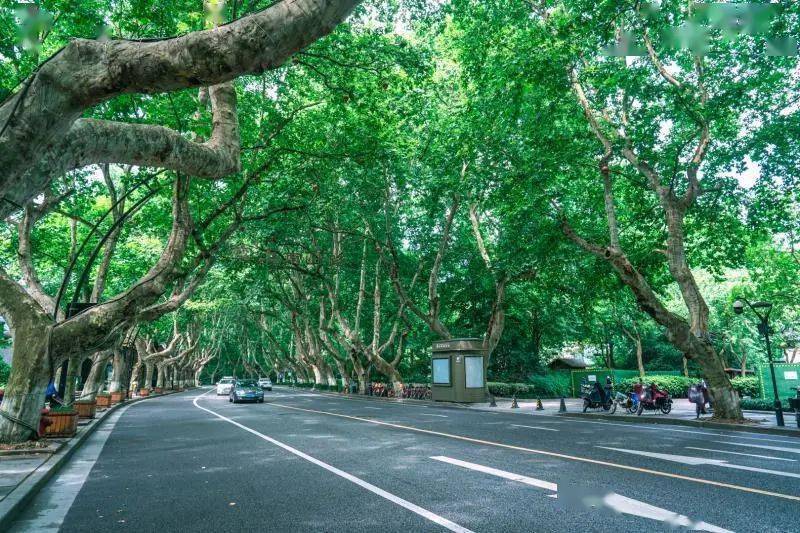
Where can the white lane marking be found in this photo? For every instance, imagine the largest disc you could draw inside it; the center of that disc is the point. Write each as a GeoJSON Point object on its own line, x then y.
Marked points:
{"type": "Point", "coordinates": [374, 408]}
{"type": "Point", "coordinates": [533, 427]}
{"type": "Point", "coordinates": [49, 508]}
{"type": "Point", "coordinates": [499, 473]}
{"type": "Point", "coordinates": [762, 446]}
{"type": "Point", "coordinates": [588, 460]}
{"type": "Point", "coordinates": [612, 500]}
{"type": "Point", "coordinates": [675, 430]}
{"type": "Point", "coordinates": [424, 513]}
{"type": "Point", "coordinates": [431, 414]}
{"type": "Point", "coordinates": [739, 453]}
{"type": "Point", "coordinates": [696, 461]}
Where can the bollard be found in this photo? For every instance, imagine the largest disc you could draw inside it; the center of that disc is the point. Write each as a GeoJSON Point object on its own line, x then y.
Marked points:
{"type": "Point", "coordinates": [514, 402]}
{"type": "Point", "coordinates": [563, 407]}
{"type": "Point", "coordinates": [539, 406]}
{"type": "Point", "coordinates": [492, 403]}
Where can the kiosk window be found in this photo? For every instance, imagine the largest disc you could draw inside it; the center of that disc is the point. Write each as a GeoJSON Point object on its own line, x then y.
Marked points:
{"type": "Point", "coordinates": [474, 369]}
{"type": "Point", "coordinates": [441, 371]}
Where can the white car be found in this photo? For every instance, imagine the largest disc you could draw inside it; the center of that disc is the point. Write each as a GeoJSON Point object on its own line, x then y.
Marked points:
{"type": "Point", "coordinates": [224, 386]}
{"type": "Point", "coordinates": [265, 384]}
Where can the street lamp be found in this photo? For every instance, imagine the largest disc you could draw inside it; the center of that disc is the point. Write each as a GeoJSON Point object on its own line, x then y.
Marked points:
{"type": "Point", "coordinates": [762, 310]}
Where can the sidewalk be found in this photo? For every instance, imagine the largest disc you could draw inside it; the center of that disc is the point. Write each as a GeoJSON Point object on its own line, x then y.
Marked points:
{"type": "Point", "coordinates": [682, 413]}
{"type": "Point", "coordinates": [24, 471]}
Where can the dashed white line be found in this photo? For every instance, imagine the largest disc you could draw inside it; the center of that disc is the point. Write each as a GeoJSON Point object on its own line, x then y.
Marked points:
{"type": "Point", "coordinates": [762, 446]}
{"type": "Point", "coordinates": [499, 473]}
{"type": "Point", "coordinates": [447, 524]}
{"type": "Point", "coordinates": [699, 461]}
{"type": "Point", "coordinates": [533, 427]}
{"type": "Point", "coordinates": [739, 453]}
{"type": "Point", "coordinates": [611, 500]}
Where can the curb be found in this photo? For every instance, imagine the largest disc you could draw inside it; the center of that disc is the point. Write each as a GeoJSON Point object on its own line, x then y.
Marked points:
{"type": "Point", "coordinates": [628, 420]}
{"type": "Point", "coordinates": [15, 501]}
{"type": "Point", "coordinates": [689, 423]}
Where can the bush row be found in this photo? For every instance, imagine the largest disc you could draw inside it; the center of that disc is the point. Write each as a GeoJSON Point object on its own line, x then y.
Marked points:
{"type": "Point", "coordinates": [761, 404]}
{"type": "Point", "coordinates": [558, 385]}
{"type": "Point", "coordinates": [334, 388]}
{"type": "Point", "coordinates": [746, 386]}
{"type": "Point", "coordinates": [678, 386]}
{"type": "Point", "coordinates": [539, 387]}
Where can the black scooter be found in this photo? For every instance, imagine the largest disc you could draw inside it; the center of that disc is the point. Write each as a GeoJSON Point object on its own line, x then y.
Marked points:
{"type": "Point", "coordinates": [595, 396]}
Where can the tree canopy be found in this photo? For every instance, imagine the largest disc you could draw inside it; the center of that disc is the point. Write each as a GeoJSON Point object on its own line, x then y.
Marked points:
{"type": "Point", "coordinates": [551, 176]}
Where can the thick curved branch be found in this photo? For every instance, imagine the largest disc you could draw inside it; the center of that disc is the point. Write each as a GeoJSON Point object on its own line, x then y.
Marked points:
{"type": "Point", "coordinates": [86, 73]}
{"type": "Point", "coordinates": [90, 141]}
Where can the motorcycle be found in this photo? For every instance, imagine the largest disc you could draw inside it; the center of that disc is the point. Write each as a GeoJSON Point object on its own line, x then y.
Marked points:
{"type": "Point", "coordinates": [629, 402]}
{"type": "Point", "coordinates": [653, 399]}
{"type": "Point", "coordinates": [594, 396]}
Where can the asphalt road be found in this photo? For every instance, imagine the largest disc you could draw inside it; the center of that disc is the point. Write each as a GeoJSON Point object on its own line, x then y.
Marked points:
{"type": "Point", "coordinates": [308, 462]}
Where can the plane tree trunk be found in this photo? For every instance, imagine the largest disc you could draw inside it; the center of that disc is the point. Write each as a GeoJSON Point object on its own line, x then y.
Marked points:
{"type": "Point", "coordinates": [688, 336]}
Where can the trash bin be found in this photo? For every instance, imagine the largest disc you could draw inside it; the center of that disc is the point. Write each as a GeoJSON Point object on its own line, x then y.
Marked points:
{"type": "Point", "coordinates": [458, 370]}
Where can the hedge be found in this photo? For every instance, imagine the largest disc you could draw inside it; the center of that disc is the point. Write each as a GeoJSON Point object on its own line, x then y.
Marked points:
{"type": "Point", "coordinates": [677, 386]}
{"type": "Point", "coordinates": [548, 386]}
{"type": "Point", "coordinates": [746, 386]}
{"type": "Point", "coordinates": [760, 404]}
{"type": "Point", "coordinates": [5, 371]}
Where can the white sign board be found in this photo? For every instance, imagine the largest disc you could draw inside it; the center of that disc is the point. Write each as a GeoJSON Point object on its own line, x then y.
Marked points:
{"type": "Point", "coordinates": [591, 377]}
{"type": "Point", "coordinates": [790, 374]}
{"type": "Point", "coordinates": [474, 370]}
{"type": "Point", "coordinates": [441, 371]}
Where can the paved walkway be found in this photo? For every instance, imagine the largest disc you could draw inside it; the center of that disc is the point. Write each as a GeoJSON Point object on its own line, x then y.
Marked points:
{"type": "Point", "coordinates": [17, 466]}
{"type": "Point", "coordinates": [681, 410]}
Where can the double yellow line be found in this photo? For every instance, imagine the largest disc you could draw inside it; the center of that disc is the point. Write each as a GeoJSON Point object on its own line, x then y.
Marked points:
{"type": "Point", "coordinates": [550, 454]}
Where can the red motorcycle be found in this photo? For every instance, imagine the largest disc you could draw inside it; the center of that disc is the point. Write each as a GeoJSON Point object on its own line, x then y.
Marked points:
{"type": "Point", "coordinates": [652, 399]}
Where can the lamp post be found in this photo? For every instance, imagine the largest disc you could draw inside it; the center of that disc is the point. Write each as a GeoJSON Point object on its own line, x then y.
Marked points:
{"type": "Point", "coordinates": [762, 310]}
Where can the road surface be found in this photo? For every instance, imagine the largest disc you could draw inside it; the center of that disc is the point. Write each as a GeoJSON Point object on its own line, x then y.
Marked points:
{"type": "Point", "coordinates": [302, 461]}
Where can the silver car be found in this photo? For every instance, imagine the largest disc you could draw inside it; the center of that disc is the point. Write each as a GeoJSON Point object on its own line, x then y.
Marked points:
{"type": "Point", "coordinates": [246, 390]}
{"type": "Point", "coordinates": [265, 384]}
{"type": "Point", "coordinates": [224, 386]}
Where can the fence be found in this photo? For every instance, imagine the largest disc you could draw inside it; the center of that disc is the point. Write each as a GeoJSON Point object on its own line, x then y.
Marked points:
{"type": "Point", "coordinates": [787, 376]}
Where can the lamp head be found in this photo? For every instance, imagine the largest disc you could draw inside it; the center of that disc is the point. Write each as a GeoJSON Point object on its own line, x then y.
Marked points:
{"type": "Point", "coordinates": [738, 307]}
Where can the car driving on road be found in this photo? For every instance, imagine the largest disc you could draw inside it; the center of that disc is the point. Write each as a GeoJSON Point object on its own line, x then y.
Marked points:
{"type": "Point", "coordinates": [246, 390]}
{"type": "Point", "coordinates": [224, 386]}
{"type": "Point", "coordinates": [265, 383]}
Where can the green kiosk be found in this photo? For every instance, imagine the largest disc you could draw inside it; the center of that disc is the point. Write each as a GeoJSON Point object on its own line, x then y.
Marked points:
{"type": "Point", "coordinates": [458, 368]}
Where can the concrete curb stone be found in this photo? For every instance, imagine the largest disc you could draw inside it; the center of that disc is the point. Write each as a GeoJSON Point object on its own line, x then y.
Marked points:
{"type": "Point", "coordinates": [704, 424]}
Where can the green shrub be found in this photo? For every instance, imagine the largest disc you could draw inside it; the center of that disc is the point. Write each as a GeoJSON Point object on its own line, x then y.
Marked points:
{"type": "Point", "coordinates": [5, 370]}
{"type": "Point", "coordinates": [553, 385]}
{"type": "Point", "coordinates": [761, 404]}
{"type": "Point", "coordinates": [677, 386]}
{"type": "Point", "coordinates": [546, 386]}
{"type": "Point", "coordinates": [746, 386]}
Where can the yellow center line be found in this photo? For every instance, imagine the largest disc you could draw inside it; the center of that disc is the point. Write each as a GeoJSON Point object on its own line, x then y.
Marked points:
{"type": "Point", "coordinates": [550, 454]}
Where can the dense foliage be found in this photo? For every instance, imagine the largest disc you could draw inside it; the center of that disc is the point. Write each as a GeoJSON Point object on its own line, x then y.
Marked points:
{"type": "Point", "coordinates": [424, 156]}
